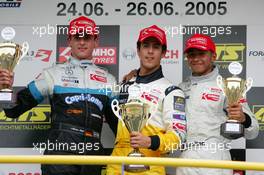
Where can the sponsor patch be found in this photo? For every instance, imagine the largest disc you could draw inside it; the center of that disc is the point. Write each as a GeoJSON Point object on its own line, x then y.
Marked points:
{"type": "Point", "coordinates": [178, 103]}
{"type": "Point", "coordinates": [74, 111]}
{"type": "Point", "coordinates": [180, 126]}
{"type": "Point", "coordinates": [99, 72]}
{"type": "Point", "coordinates": [215, 90]}
{"type": "Point", "coordinates": [84, 97]}
{"type": "Point", "coordinates": [69, 80]}
{"type": "Point", "coordinates": [179, 116]}
{"type": "Point", "coordinates": [69, 70]}
{"type": "Point", "coordinates": [210, 97]}
{"type": "Point", "coordinates": [98, 78]}
{"type": "Point", "coordinates": [150, 97]}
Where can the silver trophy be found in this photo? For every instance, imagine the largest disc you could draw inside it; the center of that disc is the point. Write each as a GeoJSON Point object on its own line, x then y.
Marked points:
{"type": "Point", "coordinates": [10, 54]}
{"type": "Point", "coordinates": [134, 115]}
{"type": "Point", "coordinates": [234, 89]}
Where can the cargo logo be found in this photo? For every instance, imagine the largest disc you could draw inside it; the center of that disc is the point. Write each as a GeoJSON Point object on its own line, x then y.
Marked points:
{"type": "Point", "coordinates": [101, 55]}
{"type": "Point", "coordinates": [258, 110]}
{"type": "Point", "coordinates": [10, 3]}
{"type": "Point", "coordinates": [37, 115]}
{"type": "Point", "coordinates": [230, 52]}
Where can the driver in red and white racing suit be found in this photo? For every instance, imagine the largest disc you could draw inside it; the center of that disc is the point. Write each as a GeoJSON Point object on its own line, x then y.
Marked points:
{"type": "Point", "coordinates": [206, 109]}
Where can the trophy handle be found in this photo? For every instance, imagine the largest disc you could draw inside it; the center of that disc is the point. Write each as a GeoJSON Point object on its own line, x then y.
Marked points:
{"type": "Point", "coordinates": [24, 50]}
{"type": "Point", "coordinates": [219, 81]}
{"type": "Point", "coordinates": [249, 83]}
{"type": "Point", "coordinates": [116, 109]}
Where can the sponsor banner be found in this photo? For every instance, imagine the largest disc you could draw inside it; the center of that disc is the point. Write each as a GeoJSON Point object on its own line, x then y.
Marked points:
{"type": "Point", "coordinates": [134, 12]}
{"type": "Point", "coordinates": [101, 56]}
{"type": "Point", "coordinates": [256, 103]}
{"type": "Point", "coordinates": [32, 126]}
{"type": "Point", "coordinates": [255, 54]}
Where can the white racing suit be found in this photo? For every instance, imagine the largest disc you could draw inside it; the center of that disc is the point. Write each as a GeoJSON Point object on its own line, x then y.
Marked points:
{"type": "Point", "coordinates": [205, 112]}
{"type": "Point", "coordinates": [80, 95]}
{"type": "Point", "coordinates": [166, 127]}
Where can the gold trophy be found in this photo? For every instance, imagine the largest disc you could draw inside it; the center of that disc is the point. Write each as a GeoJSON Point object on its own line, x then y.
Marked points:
{"type": "Point", "coordinates": [10, 53]}
{"type": "Point", "coordinates": [234, 89]}
{"type": "Point", "coordinates": [134, 115]}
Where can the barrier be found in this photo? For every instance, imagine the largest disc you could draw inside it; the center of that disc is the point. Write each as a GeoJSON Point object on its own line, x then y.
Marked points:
{"type": "Point", "coordinates": [174, 162]}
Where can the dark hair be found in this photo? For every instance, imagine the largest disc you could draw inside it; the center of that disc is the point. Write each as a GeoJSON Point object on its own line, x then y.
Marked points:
{"type": "Point", "coordinates": [164, 47]}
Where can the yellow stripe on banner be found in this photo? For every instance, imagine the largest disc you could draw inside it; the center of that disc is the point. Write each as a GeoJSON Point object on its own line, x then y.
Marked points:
{"type": "Point", "coordinates": [174, 162]}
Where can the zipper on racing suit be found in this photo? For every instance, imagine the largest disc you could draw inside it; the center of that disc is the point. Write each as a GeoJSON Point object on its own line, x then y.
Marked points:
{"type": "Point", "coordinates": [86, 71]}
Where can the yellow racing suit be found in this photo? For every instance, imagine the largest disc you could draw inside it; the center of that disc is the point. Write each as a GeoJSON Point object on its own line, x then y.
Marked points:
{"type": "Point", "coordinates": [166, 126]}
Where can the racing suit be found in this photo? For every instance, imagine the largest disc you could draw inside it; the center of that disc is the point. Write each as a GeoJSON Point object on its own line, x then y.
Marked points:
{"type": "Point", "coordinates": [166, 127]}
{"type": "Point", "coordinates": [205, 112]}
{"type": "Point", "coordinates": [79, 94]}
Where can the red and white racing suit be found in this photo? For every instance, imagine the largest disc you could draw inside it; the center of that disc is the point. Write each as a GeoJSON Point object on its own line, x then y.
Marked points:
{"type": "Point", "coordinates": [205, 112]}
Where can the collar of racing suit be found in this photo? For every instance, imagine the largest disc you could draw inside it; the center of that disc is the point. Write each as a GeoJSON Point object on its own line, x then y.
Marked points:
{"type": "Point", "coordinates": [82, 63]}
{"type": "Point", "coordinates": [209, 76]}
{"type": "Point", "coordinates": [151, 77]}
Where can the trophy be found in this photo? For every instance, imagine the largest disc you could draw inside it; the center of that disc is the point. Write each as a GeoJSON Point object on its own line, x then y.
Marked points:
{"type": "Point", "coordinates": [10, 53]}
{"type": "Point", "coordinates": [134, 116]}
{"type": "Point", "coordinates": [234, 89]}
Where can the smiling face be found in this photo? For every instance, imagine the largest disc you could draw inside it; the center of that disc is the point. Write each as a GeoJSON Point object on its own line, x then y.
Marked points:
{"type": "Point", "coordinates": [200, 61]}
{"type": "Point", "coordinates": [82, 46]}
{"type": "Point", "coordinates": [150, 53]}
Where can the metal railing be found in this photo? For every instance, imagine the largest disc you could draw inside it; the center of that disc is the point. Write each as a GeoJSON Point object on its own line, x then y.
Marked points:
{"type": "Point", "coordinates": [103, 160]}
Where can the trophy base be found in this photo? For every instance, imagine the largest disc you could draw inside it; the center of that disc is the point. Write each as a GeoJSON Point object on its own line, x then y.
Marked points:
{"type": "Point", "coordinates": [232, 129]}
{"type": "Point", "coordinates": [136, 168]}
{"type": "Point", "coordinates": [6, 98]}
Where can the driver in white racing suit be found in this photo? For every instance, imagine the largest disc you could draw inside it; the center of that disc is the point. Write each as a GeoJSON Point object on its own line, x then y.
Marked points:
{"type": "Point", "coordinates": [206, 109]}
{"type": "Point", "coordinates": [80, 95]}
